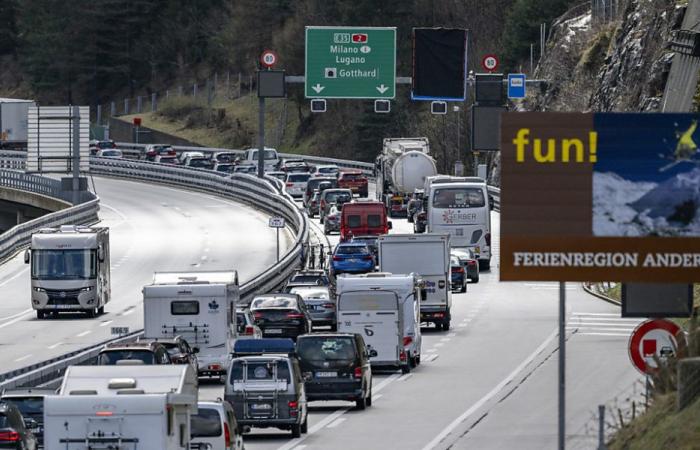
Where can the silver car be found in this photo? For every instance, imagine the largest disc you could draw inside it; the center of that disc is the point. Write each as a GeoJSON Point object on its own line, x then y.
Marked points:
{"type": "Point", "coordinates": [321, 307]}
{"type": "Point", "coordinates": [295, 184]}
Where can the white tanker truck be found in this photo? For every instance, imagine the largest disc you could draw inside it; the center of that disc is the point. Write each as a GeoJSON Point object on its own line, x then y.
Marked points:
{"type": "Point", "coordinates": [402, 168]}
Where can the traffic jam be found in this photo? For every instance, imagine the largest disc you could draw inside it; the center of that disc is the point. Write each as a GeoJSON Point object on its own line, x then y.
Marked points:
{"type": "Point", "coordinates": [356, 306]}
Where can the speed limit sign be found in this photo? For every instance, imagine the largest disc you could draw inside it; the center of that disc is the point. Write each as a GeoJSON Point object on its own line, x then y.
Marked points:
{"type": "Point", "coordinates": [490, 62]}
{"type": "Point", "coordinates": [268, 58]}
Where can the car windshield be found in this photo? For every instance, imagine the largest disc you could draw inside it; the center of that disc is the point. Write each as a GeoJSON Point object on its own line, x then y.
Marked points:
{"type": "Point", "coordinates": [318, 348]}
{"type": "Point", "coordinates": [459, 198]}
{"type": "Point", "coordinates": [351, 176]}
{"type": "Point", "coordinates": [172, 348]}
{"type": "Point", "coordinates": [169, 160]}
{"type": "Point", "coordinates": [262, 303]}
{"type": "Point", "coordinates": [307, 293]}
{"type": "Point", "coordinates": [28, 406]}
{"type": "Point", "coordinates": [199, 162]}
{"type": "Point", "coordinates": [268, 154]}
{"type": "Point", "coordinates": [206, 423]}
{"type": "Point", "coordinates": [338, 197]}
{"type": "Point", "coordinates": [302, 278]}
{"type": "Point", "coordinates": [106, 144]}
{"type": "Point", "coordinates": [111, 153]}
{"type": "Point", "coordinates": [352, 249]}
{"type": "Point", "coordinates": [110, 358]}
{"type": "Point", "coordinates": [64, 264]}
{"type": "Point", "coordinates": [240, 319]}
{"type": "Point", "coordinates": [224, 168]}
{"type": "Point", "coordinates": [259, 370]}
{"type": "Point", "coordinates": [225, 157]}
{"type": "Point", "coordinates": [327, 170]}
{"type": "Point", "coordinates": [298, 177]}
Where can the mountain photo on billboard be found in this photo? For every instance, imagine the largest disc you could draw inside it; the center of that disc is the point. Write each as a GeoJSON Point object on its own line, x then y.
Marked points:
{"type": "Point", "coordinates": [646, 180]}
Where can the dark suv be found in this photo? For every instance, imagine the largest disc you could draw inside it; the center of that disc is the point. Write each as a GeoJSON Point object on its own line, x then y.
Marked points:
{"type": "Point", "coordinates": [30, 402]}
{"type": "Point", "coordinates": [143, 352]}
{"type": "Point", "coordinates": [336, 366]}
{"type": "Point", "coordinates": [13, 431]}
{"type": "Point", "coordinates": [281, 315]}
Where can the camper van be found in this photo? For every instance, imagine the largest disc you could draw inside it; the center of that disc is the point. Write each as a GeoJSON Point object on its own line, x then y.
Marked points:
{"type": "Point", "coordinates": [122, 407]}
{"type": "Point", "coordinates": [461, 207]}
{"type": "Point", "coordinates": [198, 306]}
{"type": "Point", "coordinates": [384, 309]}
{"type": "Point", "coordinates": [398, 253]}
{"type": "Point", "coordinates": [69, 270]}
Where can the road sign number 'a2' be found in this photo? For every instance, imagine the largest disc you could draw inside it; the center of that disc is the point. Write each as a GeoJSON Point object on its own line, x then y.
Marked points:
{"type": "Point", "coordinates": [350, 62]}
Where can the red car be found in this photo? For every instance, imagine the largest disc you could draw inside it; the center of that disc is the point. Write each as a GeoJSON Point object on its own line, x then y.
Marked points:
{"type": "Point", "coordinates": [363, 218]}
{"type": "Point", "coordinates": [354, 180]}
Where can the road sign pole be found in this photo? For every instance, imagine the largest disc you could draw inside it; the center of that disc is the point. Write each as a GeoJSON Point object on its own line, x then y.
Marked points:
{"type": "Point", "coordinates": [278, 245]}
{"type": "Point", "coordinates": [76, 154]}
{"type": "Point", "coordinates": [261, 137]}
{"type": "Point", "coordinates": [562, 365]}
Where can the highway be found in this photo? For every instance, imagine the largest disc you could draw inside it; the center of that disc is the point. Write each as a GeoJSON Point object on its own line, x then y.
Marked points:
{"type": "Point", "coordinates": [490, 382]}
{"type": "Point", "coordinates": [152, 228]}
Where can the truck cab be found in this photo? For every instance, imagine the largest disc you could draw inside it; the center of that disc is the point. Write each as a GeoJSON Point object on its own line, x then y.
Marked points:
{"type": "Point", "coordinates": [69, 270]}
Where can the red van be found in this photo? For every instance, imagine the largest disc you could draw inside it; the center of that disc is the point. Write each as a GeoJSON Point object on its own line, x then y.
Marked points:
{"type": "Point", "coordinates": [363, 218]}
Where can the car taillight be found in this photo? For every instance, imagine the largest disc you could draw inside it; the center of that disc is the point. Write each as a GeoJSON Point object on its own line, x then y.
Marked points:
{"type": "Point", "coordinates": [227, 435]}
{"type": "Point", "coordinates": [367, 257]}
{"type": "Point", "coordinates": [337, 258]}
{"type": "Point", "coordinates": [472, 262]}
{"type": "Point", "coordinates": [294, 315]}
{"type": "Point", "coordinates": [402, 356]}
{"type": "Point", "coordinates": [488, 238]}
{"type": "Point", "coordinates": [249, 330]}
{"type": "Point", "coordinates": [293, 407]}
{"type": "Point", "coordinates": [458, 270]}
{"type": "Point", "coordinates": [9, 436]}
{"type": "Point", "coordinates": [407, 340]}
{"type": "Point", "coordinates": [290, 184]}
{"type": "Point", "coordinates": [358, 372]}
{"type": "Point", "coordinates": [329, 305]}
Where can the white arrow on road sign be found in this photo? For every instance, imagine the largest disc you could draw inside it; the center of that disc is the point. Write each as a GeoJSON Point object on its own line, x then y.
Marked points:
{"type": "Point", "coordinates": [382, 89]}
{"type": "Point", "coordinates": [318, 88]}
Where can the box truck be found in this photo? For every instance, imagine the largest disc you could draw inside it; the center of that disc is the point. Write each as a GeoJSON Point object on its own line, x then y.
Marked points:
{"type": "Point", "coordinates": [385, 309]}
{"type": "Point", "coordinates": [198, 306]}
{"type": "Point", "coordinates": [69, 270]}
{"type": "Point", "coordinates": [122, 407]}
{"type": "Point", "coordinates": [13, 123]}
{"type": "Point", "coordinates": [427, 255]}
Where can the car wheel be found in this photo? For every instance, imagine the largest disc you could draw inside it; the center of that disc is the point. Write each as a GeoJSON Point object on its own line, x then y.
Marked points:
{"type": "Point", "coordinates": [464, 288]}
{"type": "Point", "coordinates": [296, 430]}
{"type": "Point", "coordinates": [368, 400]}
{"type": "Point", "coordinates": [320, 219]}
{"type": "Point", "coordinates": [418, 360]}
{"type": "Point", "coordinates": [484, 264]}
{"type": "Point", "coordinates": [446, 326]}
{"type": "Point", "coordinates": [406, 368]}
{"type": "Point", "coordinates": [91, 312]}
{"type": "Point", "coordinates": [412, 362]}
{"type": "Point", "coordinates": [305, 426]}
{"type": "Point", "coordinates": [101, 310]}
{"type": "Point", "coordinates": [40, 314]}
{"type": "Point", "coordinates": [325, 231]}
{"type": "Point", "coordinates": [360, 403]}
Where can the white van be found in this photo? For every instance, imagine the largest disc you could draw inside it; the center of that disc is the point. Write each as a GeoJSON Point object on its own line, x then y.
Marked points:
{"type": "Point", "coordinates": [198, 306]}
{"type": "Point", "coordinates": [122, 407]}
{"type": "Point", "coordinates": [462, 209]}
{"type": "Point", "coordinates": [271, 156]}
{"type": "Point", "coordinates": [385, 309]}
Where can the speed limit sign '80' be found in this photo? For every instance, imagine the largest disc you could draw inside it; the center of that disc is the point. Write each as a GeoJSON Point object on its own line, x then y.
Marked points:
{"type": "Point", "coordinates": [268, 58]}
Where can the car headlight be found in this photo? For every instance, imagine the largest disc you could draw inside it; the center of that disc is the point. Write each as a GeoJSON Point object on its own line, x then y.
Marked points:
{"type": "Point", "coordinates": [38, 289]}
{"type": "Point", "coordinates": [86, 289]}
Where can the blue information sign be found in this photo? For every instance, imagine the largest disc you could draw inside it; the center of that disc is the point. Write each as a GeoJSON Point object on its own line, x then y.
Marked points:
{"type": "Point", "coordinates": [516, 85]}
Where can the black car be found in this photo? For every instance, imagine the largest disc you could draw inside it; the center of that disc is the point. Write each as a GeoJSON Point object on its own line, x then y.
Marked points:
{"type": "Point", "coordinates": [336, 366]}
{"type": "Point", "coordinates": [313, 185]}
{"type": "Point", "coordinates": [371, 241]}
{"type": "Point", "coordinates": [30, 403]}
{"type": "Point", "coordinates": [14, 433]}
{"type": "Point", "coordinates": [281, 315]}
{"type": "Point", "coordinates": [147, 351]}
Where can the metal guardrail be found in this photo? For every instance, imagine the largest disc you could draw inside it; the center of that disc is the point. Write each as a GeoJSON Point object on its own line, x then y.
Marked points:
{"type": "Point", "coordinates": [15, 160]}
{"type": "Point", "coordinates": [496, 196]}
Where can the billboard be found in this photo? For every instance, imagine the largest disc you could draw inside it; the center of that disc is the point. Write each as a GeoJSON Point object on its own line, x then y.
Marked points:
{"type": "Point", "coordinates": [593, 197]}
{"type": "Point", "coordinates": [439, 64]}
{"type": "Point", "coordinates": [50, 139]}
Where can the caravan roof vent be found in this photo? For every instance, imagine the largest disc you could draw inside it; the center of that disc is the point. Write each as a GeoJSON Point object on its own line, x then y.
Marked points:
{"type": "Point", "coordinates": [130, 392]}
{"type": "Point", "coordinates": [67, 229]}
{"type": "Point", "coordinates": [130, 362]}
{"type": "Point", "coordinates": [122, 383]}
{"type": "Point", "coordinates": [47, 230]}
{"type": "Point", "coordinates": [83, 392]}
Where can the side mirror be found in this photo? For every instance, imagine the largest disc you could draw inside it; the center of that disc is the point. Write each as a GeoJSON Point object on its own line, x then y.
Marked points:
{"type": "Point", "coordinates": [101, 253]}
{"type": "Point", "coordinates": [372, 353]}
{"type": "Point", "coordinates": [195, 350]}
{"type": "Point", "coordinates": [31, 423]}
{"type": "Point", "coordinates": [491, 202]}
{"type": "Point", "coordinates": [26, 256]}
{"type": "Point", "coordinates": [389, 225]}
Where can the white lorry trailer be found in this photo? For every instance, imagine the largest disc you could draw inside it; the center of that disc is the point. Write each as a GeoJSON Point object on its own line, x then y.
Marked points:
{"type": "Point", "coordinates": [69, 270]}
{"type": "Point", "coordinates": [13, 122]}
{"type": "Point", "coordinates": [200, 307]}
{"type": "Point", "coordinates": [427, 255]}
{"type": "Point", "coordinates": [385, 309]}
{"type": "Point", "coordinates": [122, 408]}
{"type": "Point", "coordinates": [461, 207]}
{"type": "Point", "coordinates": [402, 167]}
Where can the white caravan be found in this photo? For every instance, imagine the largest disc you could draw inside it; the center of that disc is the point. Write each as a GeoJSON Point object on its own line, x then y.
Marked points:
{"type": "Point", "coordinates": [198, 306]}
{"type": "Point", "coordinates": [427, 255]}
{"type": "Point", "coordinates": [122, 407]}
{"type": "Point", "coordinates": [70, 270]}
{"type": "Point", "coordinates": [385, 309]}
{"type": "Point", "coordinates": [461, 207]}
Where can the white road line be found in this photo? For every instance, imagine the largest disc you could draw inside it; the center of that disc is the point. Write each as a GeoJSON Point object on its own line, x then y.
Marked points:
{"type": "Point", "coordinates": [600, 324]}
{"type": "Point", "coordinates": [23, 358]}
{"type": "Point", "coordinates": [15, 320]}
{"type": "Point", "coordinates": [376, 397]}
{"type": "Point", "coordinates": [431, 350]}
{"type": "Point", "coordinates": [206, 250]}
{"type": "Point", "coordinates": [439, 344]}
{"type": "Point", "coordinates": [104, 324]}
{"type": "Point", "coordinates": [18, 274]}
{"type": "Point", "coordinates": [336, 422]}
{"type": "Point", "coordinates": [126, 313]}
{"type": "Point", "coordinates": [463, 325]}
{"type": "Point", "coordinates": [455, 423]}
{"type": "Point", "coordinates": [452, 335]}
{"type": "Point", "coordinates": [53, 346]}
{"type": "Point", "coordinates": [26, 311]}
{"type": "Point", "coordinates": [84, 333]}
{"type": "Point", "coordinates": [431, 358]}
{"type": "Point", "coordinates": [337, 413]}
{"type": "Point", "coordinates": [204, 258]}
{"type": "Point", "coordinates": [117, 212]}
{"type": "Point", "coordinates": [405, 377]}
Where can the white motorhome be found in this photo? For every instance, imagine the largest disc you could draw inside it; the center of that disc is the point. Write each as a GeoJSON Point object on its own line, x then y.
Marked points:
{"type": "Point", "coordinates": [122, 407]}
{"type": "Point", "coordinates": [270, 155]}
{"type": "Point", "coordinates": [385, 309]}
{"type": "Point", "coordinates": [427, 255]}
{"type": "Point", "coordinates": [198, 306]}
{"type": "Point", "coordinates": [461, 207]}
{"type": "Point", "coordinates": [69, 270]}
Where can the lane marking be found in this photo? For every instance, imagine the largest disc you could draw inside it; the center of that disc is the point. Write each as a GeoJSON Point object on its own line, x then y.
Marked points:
{"type": "Point", "coordinates": [376, 397]}
{"type": "Point", "coordinates": [84, 333]}
{"type": "Point", "coordinates": [405, 377]}
{"type": "Point", "coordinates": [462, 417]}
{"type": "Point", "coordinates": [431, 350]}
{"type": "Point", "coordinates": [14, 320]}
{"type": "Point", "coordinates": [18, 274]}
{"type": "Point", "coordinates": [463, 325]}
{"type": "Point", "coordinates": [126, 313]}
{"type": "Point", "coordinates": [452, 335]}
{"type": "Point", "coordinates": [26, 311]}
{"type": "Point", "coordinates": [117, 212]}
{"type": "Point", "coordinates": [336, 422]}
{"type": "Point", "coordinates": [432, 357]}
{"type": "Point", "coordinates": [445, 339]}
{"type": "Point", "coordinates": [23, 358]}
{"type": "Point", "coordinates": [105, 323]}
{"type": "Point", "coordinates": [53, 346]}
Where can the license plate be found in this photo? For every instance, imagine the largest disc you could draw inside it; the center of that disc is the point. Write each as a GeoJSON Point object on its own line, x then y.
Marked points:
{"type": "Point", "coordinates": [326, 374]}
{"type": "Point", "coordinates": [261, 406]}
{"type": "Point", "coordinates": [273, 331]}
{"type": "Point", "coordinates": [63, 306]}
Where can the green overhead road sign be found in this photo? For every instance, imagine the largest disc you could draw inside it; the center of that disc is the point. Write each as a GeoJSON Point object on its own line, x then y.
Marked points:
{"type": "Point", "coordinates": [350, 62]}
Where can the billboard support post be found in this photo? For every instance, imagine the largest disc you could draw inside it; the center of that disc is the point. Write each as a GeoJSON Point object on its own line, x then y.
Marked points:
{"type": "Point", "coordinates": [75, 121]}
{"type": "Point", "coordinates": [562, 365]}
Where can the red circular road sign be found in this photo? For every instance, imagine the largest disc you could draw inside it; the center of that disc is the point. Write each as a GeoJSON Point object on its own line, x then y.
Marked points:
{"type": "Point", "coordinates": [490, 62]}
{"type": "Point", "coordinates": [268, 58]}
{"type": "Point", "coordinates": [653, 338]}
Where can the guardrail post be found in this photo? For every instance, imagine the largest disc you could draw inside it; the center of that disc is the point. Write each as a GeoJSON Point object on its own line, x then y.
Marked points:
{"type": "Point", "coordinates": [154, 108]}
{"type": "Point", "coordinates": [194, 90]}
{"type": "Point", "coordinates": [240, 84]}
{"type": "Point", "coordinates": [179, 91]}
{"type": "Point", "coordinates": [113, 109]}
{"type": "Point", "coordinates": [138, 105]}
{"type": "Point", "coordinates": [99, 115]}
{"type": "Point", "coordinates": [126, 106]}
